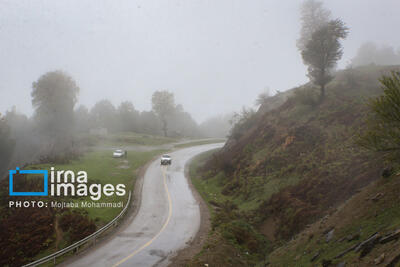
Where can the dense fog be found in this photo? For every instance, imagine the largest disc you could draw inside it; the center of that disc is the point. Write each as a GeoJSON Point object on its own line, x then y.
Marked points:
{"type": "Point", "coordinates": [175, 68]}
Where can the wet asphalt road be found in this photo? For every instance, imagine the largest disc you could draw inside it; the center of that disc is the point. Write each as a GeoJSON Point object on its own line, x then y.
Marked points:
{"type": "Point", "coordinates": [168, 218]}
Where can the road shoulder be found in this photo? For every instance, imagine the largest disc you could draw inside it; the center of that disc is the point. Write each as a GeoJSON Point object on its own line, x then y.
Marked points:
{"type": "Point", "coordinates": [193, 247]}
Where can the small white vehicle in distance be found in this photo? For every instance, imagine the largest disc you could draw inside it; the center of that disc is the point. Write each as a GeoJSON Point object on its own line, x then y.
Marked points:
{"type": "Point", "coordinates": [166, 160]}
{"type": "Point", "coordinates": [119, 153]}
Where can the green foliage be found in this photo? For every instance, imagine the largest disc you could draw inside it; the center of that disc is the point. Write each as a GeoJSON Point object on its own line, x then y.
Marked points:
{"type": "Point", "coordinates": [24, 232]}
{"type": "Point", "coordinates": [228, 219]}
{"type": "Point", "coordinates": [243, 235]}
{"type": "Point", "coordinates": [291, 166]}
{"type": "Point", "coordinates": [103, 169]}
{"type": "Point", "coordinates": [355, 222]}
{"type": "Point", "coordinates": [242, 122]}
{"type": "Point", "coordinates": [319, 42]}
{"type": "Point", "coordinates": [383, 132]}
{"type": "Point", "coordinates": [322, 52]}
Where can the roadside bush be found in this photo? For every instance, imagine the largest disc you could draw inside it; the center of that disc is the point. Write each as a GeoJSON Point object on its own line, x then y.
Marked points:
{"type": "Point", "coordinates": [242, 122]}
{"type": "Point", "coordinates": [77, 225]}
{"type": "Point", "coordinates": [34, 228]}
{"type": "Point", "coordinates": [383, 124]}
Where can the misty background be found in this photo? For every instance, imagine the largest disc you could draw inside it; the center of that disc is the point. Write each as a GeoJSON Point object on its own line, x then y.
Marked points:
{"type": "Point", "coordinates": [215, 56]}
{"type": "Point", "coordinates": [74, 70]}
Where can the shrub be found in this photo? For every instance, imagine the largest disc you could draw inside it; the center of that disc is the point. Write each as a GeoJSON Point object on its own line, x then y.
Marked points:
{"type": "Point", "coordinates": [77, 225]}
{"type": "Point", "coordinates": [383, 124]}
{"type": "Point", "coordinates": [242, 122]}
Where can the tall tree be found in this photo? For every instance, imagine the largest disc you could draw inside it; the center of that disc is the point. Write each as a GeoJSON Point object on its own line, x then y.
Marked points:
{"type": "Point", "coordinates": [313, 16]}
{"type": "Point", "coordinates": [163, 104]}
{"type": "Point", "coordinates": [54, 96]}
{"type": "Point", "coordinates": [322, 52]}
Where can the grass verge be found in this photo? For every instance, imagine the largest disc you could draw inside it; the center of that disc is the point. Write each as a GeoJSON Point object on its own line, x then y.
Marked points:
{"type": "Point", "coordinates": [232, 240]}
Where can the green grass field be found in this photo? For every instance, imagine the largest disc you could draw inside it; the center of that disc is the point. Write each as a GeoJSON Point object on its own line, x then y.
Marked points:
{"type": "Point", "coordinates": [101, 168]}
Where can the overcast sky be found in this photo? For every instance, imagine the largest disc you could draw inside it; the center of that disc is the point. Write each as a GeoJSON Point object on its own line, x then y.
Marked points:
{"type": "Point", "coordinates": [216, 56]}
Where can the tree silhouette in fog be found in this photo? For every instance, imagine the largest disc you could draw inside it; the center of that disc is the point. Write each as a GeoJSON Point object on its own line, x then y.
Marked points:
{"type": "Point", "coordinates": [163, 104]}
{"type": "Point", "coordinates": [54, 96]}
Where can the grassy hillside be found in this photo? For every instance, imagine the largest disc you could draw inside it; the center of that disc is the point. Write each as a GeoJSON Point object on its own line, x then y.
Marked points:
{"type": "Point", "coordinates": [283, 169]}
{"type": "Point", "coordinates": [335, 238]}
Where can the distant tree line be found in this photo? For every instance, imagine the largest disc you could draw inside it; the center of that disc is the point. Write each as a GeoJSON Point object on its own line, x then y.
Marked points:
{"type": "Point", "coordinates": [170, 121]}
{"type": "Point", "coordinates": [53, 132]}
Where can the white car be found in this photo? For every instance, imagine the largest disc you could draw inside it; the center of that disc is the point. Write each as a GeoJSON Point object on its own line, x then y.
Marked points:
{"type": "Point", "coordinates": [119, 153]}
{"type": "Point", "coordinates": [166, 160]}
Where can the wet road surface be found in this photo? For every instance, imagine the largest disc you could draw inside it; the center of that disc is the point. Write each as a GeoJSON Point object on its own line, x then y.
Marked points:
{"type": "Point", "coordinates": [167, 219]}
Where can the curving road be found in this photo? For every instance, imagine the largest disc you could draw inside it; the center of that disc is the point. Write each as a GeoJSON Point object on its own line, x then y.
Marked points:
{"type": "Point", "coordinates": [168, 218]}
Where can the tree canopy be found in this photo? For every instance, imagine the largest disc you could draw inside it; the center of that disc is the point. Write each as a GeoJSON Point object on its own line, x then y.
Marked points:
{"type": "Point", "coordinates": [320, 44]}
